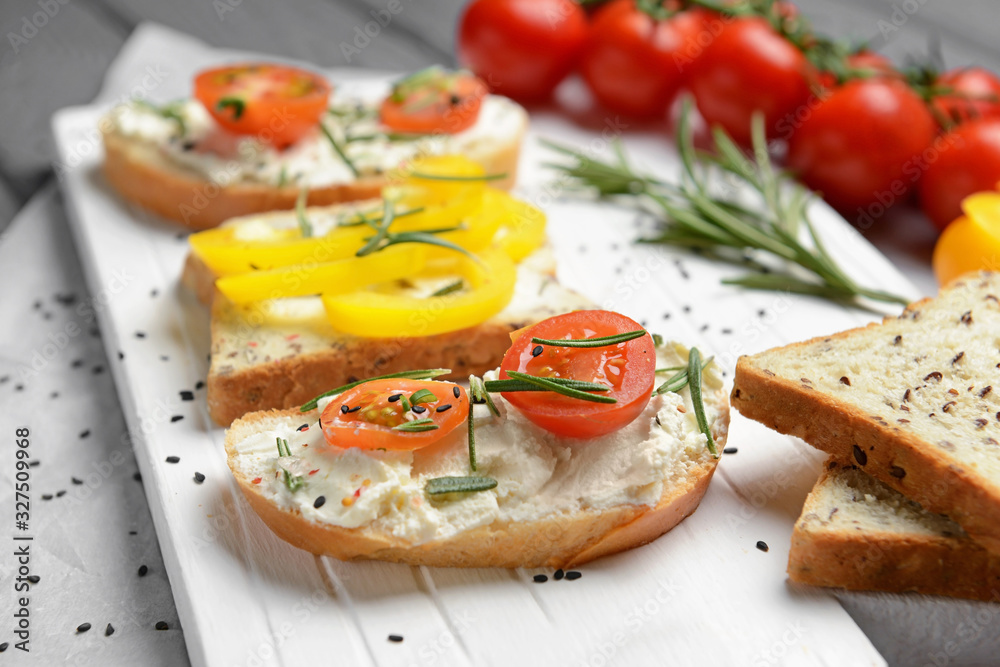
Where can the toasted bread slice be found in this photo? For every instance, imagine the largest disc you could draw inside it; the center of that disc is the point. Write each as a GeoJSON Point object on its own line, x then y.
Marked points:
{"type": "Point", "coordinates": [857, 533]}
{"type": "Point", "coordinates": [150, 164]}
{"type": "Point", "coordinates": [554, 505]}
{"type": "Point", "coordinates": [260, 362]}
{"type": "Point", "coordinates": [910, 400]}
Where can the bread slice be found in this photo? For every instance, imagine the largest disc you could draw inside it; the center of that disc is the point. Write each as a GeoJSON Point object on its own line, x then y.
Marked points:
{"type": "Point", "coordinates": [152, 166]}
{"type": "Point", "coordinates": [535, 517]}
{"type": "Point", "coordinates": [260, 362]}
{"type": "Point", "coordinates": [857, 533]}
{"type": "Point", "coordinates": [910, 400]}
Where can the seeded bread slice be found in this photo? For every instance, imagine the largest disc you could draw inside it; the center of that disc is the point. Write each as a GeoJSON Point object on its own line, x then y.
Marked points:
{"type": "Point", "coordinates": [910, 400]}
{"type": "Point", "coordinates": [259, 362]}
{"type": "Point", "coordinates": [859, 534]}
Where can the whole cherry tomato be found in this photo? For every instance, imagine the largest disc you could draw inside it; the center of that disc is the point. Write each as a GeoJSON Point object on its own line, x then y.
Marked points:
{"type": "Point", "coordinates": [521, 48]}
{"type": "Point", "coordinates": [863, 143]}
{"type": "Point", "coordinates": [967, 93]}
{"type": "Point", "coordinates": [969, 161]}
{"type": "Point", "coordinates": [750, 67]}
{"type": "Point", "coordinates": [635, 59]}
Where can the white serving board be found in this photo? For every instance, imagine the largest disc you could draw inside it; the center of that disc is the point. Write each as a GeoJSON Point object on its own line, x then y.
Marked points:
{"type": "Point", "coordinates": [701, 595]}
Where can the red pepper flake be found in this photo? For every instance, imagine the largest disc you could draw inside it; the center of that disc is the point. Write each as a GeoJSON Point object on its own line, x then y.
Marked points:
{"type": "Point", "coordinates": [257, 480]}
{"type": "Point", "coordinates": [357, 492]}
{"type": "Point", "coordinates": [252, 344]}
{"type": "Point", "coordinates": [313, 472]}
{"type": "Point", "coordinates": [291, 336]}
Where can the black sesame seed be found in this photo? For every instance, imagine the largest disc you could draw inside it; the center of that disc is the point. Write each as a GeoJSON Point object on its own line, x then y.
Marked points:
{"type": "Point", "coordinates": [19, 387]}
{"type": "Point", "coordinates": [860, 456]}
{"type": "Point", "coordinates": [121, 355]}
{"type": "Point", "coordinates": [162, 625]}
{"type": "Point", "coordinates": [319, 502]}
{"type": "Point", "coordinates": [33, 578]}
{"type": "Point", "coordinates": [355, 408]}
{"type": "Point", "coordinates": [46, 496]}
{"type": "Point", "coordinates": [537, 350]}
{"type": "Point", "coordinates": [83, 627]}
{"type": "Point", "coordinates": [442, 408]}
{"type": "Point", "coordinates": [85, 434]}
{"type": "Point", "coordinates": [199, 385]}
{"type": "Point", "coordinates": [897, 472]}
{"type": "Point", "coordinates": [143, 570]}
{"type": "Point", "coordinates": [419, 409]}
{"type": "Point", "coordinates": [395, 397]}
{"type": "Point", "coordinates": [199, 478]}
{"type": "Point", "coordinates": [762, 545]}
{"type": "Point", "coordinates": [75, 480]}
{"type": "Point", "coordinates": [110, 630]}
{"type": "Point", "coordinates": [54, 394]}
{"type": "Point", "coordinates": [97, 370]}
{"type": "Point", "coordinates": [187, 395]}
{"type": "Point", "coordinates": [173, 459]}
{"type": "Point", "coordinates": [573, 575]}
{"type": "Point", "coordinates": [60, 494]}
{"type": "Point", "coordinates": [539, 578]}
{"type": "Point", "coordinates": [558, 574]}
{"type": "Point", "coordinates": [396, 638]}
{"type": "Point", "coordinates": [176, 418]}
{"type": "Point", "coordinates": [137, 476]}
{"type": "Point", "coordinates": [133, 532]}
{"type": "Point", "coordinates": [77, 363]}
{"type": "Point", "coordinates": [456, 392]}
{"type": "Point", "coordinates": [686, 309]}
{"type": "Point", "coordinates": [140, 334]}
{"type": "Point", "coordinates": [3, 647]}
{"type": "Point", "coordinates": [730, 450]}
{"type": "Point", "coordinates": [344, 409]}
{"type": "Point", "coordinates": [34, 464]}
{"type": "Point", "coordinates": [303, 427]}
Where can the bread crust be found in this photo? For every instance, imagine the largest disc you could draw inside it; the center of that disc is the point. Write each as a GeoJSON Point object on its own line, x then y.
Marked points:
{"type": "Point", "coordinates": [562, 540]}
{"type": "Point", "coordinates": [899, 459]}
{"type": "Point", "coordinates": [142, 175]}
{"type": "Point", "coordinates": [886, 561]}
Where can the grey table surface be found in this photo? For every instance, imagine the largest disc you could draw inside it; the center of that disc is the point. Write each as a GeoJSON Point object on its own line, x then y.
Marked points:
{"type": "Point", "coordinates": [54, 54]}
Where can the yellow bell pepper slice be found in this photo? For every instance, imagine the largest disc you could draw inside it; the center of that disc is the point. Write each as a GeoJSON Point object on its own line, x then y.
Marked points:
{"type": "Point", "coordinates": [971, 242]}
{"type": "Point", "coordinates": [378, 315]}
{"type": "Point", "coordinates": [339, 277]}
{"type": "Point", "coordinates": [522, 231]}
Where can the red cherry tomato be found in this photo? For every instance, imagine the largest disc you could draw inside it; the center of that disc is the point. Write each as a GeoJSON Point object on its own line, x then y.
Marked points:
{"type": "Point", "coordinates": [628, 369]}
{"type": "Point", "coordinates": [521, 48]}
{"type": "Point", "coordinates": [367, 415]}
{"type": "Point", "coordinates": [863, 64]}
{"type": "Point", "coordinates": [748, 67]}
{"type": "Point", "coordinates": [433, 101]}
{"type": "Point", "coordinates": [969, 162]}
{"type": "Point", "coordinates": [634, 63]}
{"type": "Point", "coordinates": [971, 92]}
{"type": "Point", "coordinates": [863, 143]}
{"type": "Point", "coordinates": [277, 104]}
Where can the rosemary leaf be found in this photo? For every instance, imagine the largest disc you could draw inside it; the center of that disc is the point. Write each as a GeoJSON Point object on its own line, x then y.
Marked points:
{"type": "Point", "coordinates": [471, 423]}
{"type": "Point", "coordinates": [694, 379]}
{"type": "Point", "coordinates": [339, 150]}
{"type": "Point", "coordinates": [560, 388]}
{"type": "Point", "coordinates": [480, 395]}
{"type": "Point", "coordinates": [381, 231]}
{"type": "Point", "coordinates": [510, 385]}
{"type": "Point", "coordinates": [293, 482]}
{"type": "Point", "coordinates": [305, 227]}
{"type": "Point", "coordinates": [450, 288]}
{"type": "Point", "coordinates": [417, 426]}
{"type": "Point", "coordinates": [422, 374]}
{"type": "Point", "coordinates": [445, 177]}
{"type": "Point", "coordinates": [679, 380]}
{"type": "Point", "coordinates": [439, 485]}
{"type": "Point", "coordinates": [602, 341]}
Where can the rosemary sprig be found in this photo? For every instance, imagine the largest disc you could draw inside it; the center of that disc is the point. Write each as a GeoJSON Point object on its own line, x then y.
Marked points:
{"type": "Point", "coordinates": [480, 394]}
{"type": "Point", "coordinates": [417, 426]}
{"type": "Point", "coordinates": [562, 388]}
{"type": "Point", "coordinates": [305, 227]}
{"type": "Point", "coordinates": [694, 378]}
{"type": "Point", "coordinates": [450, 288]}
{"type": "Point", "coordinates": [384, 238]}
{"type": "Point", "coordinates": [338, 149]}
{"type": "Point", "coordinates": [293, 482]}
{"type": "Point", "coordinates": [422, 374]}
{"type": "Point", "coordinates": [679, 380]}
{"type": "Point", "coordinates": [471, 426]}
{"type": "Point", "coordinates": [446, 177]}
{"type": "Point", "coordinates": [439, 485]}
{"type": "Point", "coordinates": [511, 385]}
{"type": "Point", "coordinates": [694, 216]}
{"type": "Point", "coordinates": [602, 341]}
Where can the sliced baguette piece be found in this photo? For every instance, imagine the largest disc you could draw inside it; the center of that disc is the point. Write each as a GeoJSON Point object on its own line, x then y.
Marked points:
{"type": "Point", "coordinates": [529, 520]}
{"type": "Point", "coordinates": [146, 166]}
{"type": "Point", "coordinates": [260, 362]}
{"type": "Point", "coordinates": [910, 400]}
{"type": "Point", "coordinates": [857, 533]}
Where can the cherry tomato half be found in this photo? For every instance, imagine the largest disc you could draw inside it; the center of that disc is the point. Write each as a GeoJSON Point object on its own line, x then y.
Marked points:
{"type": "Point", "coordinates": [367, 415]}
{"type": "Point", "coordinates": [968, 163]}
{"type": "Point", "coordinates": [521, 48]}
{"type": "Point", "coordinates": [628, 369]}
{"type": "Point", "coordinates": [277, 104]}
{"type": "Point", "coordinates": [434, 101]}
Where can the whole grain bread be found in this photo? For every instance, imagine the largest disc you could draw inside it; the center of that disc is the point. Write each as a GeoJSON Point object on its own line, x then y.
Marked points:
{"type": "Point", "coordinates": [910, 400]}
{"type": "Point", "coordinates": [857, 533]}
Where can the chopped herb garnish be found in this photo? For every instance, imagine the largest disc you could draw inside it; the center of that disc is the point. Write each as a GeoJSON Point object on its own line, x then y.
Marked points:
{"type": "Point", "coordinates": [601, 341]}
{"type": "Point", "coordinates": [551, 384]}
{"type": "Point", "coordinates": [471, 422]}
{"type": "Point", "coordinates": [450, 288]}
{"type": "Point", "coordinates": [293, 482]}
{"type": "Point", "coordinates": [384, 238]}
{"type": "Point", "coordinates": [679, 380]}
{"type": "Point", "coordinates": [418, 426]}
{"type": "Point", "coordinates": [422, 396]}
{"type": "Point", "coordinates": [423, 374]}
{"type": "Point", "coordinates": [234, 103]}
{"type": "Point", "coordinates": [694, 378]}
{"type": "Point", "coordinates": [339, 150]}
{"type": "Point", "coordinates": [300, 213]}
{"type": "Point", "coordinates": [169, 111]}
{"type": "Point", "coordinates": [439, 485]}
{"type": "Point", "coordinates": [480, 395]}
{"type": "Point", "coordinates": [657, 340]}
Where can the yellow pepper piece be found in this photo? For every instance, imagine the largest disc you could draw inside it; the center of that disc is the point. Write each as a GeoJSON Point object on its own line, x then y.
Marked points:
{"type": "Point", "coordinates": [377, 315]}
{"type": "Point", "coordinates": [522, 231]}
{"type": "Point", "coordinates": [337, 277]}
{"type": "Point", "coordinates": [458, 177]}
{"type": "Point", "coordinates": [971, 242]}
